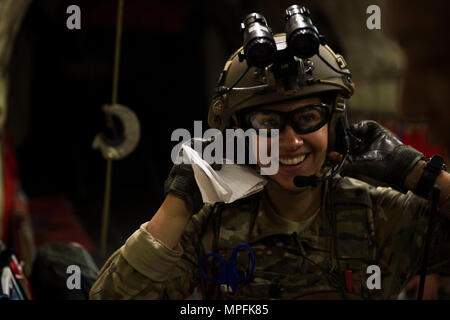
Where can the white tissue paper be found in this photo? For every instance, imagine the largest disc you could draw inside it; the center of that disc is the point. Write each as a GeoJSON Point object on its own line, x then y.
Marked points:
{"type": "Point", "coordinates": [230, 183]}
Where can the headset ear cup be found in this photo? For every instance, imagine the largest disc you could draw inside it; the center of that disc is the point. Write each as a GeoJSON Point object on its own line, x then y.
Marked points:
{"type": "Point", "coordinates": [340, 133]}
{"type": "Point", "coordinates": [338, 126]}
{"type": "Point", "coordinates": [332, 126]}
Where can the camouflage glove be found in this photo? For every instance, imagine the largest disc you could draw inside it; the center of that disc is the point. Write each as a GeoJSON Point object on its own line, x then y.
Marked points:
{"type": "Point", "coordinates": [181, 182]}
{"type": "Point", "coordinates": [380, 155]}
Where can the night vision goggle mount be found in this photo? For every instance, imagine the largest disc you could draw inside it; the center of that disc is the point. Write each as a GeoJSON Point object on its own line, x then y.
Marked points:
{"type": "Point", "coordinates": [284, 64]}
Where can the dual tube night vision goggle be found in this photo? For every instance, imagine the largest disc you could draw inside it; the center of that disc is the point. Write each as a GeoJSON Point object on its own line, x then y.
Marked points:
{"type": "Point", "coordinates": [282, 59]}
{"type": "Point", "coordinates": [302, 37]}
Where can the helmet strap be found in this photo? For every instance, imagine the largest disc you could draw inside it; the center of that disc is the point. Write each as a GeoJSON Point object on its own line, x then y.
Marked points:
{"type": "Point", "coordinates": [335, 130]}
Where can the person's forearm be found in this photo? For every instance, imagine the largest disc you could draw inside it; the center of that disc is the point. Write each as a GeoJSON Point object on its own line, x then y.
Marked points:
{"type": "Point", "coordinates": [169, 222]}
{"type": "Point", "coordinates": [442, 181]}
{"type": "Point", "coordinates": [143, 262]}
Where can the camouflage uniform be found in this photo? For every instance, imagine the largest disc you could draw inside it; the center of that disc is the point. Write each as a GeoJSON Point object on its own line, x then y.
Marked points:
{"type": "Point", "coordinates": [358, 225]}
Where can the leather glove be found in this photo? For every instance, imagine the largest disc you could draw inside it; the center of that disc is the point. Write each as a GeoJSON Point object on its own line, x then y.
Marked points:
{"type": "Point", "coordinates": [181, 182]}
{"type": "Point", "coordinates": [380, 155]}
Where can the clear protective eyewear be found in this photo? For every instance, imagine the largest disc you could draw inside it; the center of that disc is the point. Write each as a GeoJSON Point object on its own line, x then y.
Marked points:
{"type": "Point", "coordinates": [303, 120]}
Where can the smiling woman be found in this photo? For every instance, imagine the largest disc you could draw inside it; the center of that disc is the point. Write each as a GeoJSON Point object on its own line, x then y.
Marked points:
{"type": "Point", "coordinates": [302, 151]}
{"type": "Point", "coordinates": [306, 241]}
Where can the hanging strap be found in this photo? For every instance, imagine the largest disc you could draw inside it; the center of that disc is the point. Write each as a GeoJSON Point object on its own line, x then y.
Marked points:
{"type": "Point", "coordinates": [115, 85]}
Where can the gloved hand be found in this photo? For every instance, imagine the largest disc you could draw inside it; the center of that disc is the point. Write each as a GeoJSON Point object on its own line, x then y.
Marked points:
{"type": "Point", "coordinates": [181, 182]}
{"type": "Point", "coordinates": [380, 155]}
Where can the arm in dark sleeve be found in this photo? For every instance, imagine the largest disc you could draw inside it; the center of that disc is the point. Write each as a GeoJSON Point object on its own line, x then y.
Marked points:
{"type": "Point", "coordinates": [439, 257]}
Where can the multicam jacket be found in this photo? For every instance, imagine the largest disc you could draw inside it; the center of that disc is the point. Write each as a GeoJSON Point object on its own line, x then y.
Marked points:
{"type": "Point", "coordinates": [358, 225]}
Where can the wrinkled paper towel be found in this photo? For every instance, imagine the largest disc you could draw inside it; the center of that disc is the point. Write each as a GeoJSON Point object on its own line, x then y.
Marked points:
{"type": "Point", "coordinates": [230, 183]}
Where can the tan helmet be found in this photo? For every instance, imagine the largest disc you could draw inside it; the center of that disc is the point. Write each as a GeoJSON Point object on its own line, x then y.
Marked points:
{"type": "Point", "coordinates": [242, 87]}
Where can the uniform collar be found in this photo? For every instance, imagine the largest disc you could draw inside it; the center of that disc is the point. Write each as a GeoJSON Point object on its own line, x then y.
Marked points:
{"type": "Point", "coordinates": [268, 221]}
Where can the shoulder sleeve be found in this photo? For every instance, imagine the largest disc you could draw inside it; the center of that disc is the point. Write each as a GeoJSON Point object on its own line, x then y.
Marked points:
{"type": "Point", "coordinates": [401, 224]}
{"type": "Point", "coordinates": [399, 216]}
{"type": "Point", "coordinates": [145, 268]}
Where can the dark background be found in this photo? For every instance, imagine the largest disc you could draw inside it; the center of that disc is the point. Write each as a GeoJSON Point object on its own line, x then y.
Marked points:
{"type": "Point", "coordinates": [172, 53]}
{"type": "Point", "coordinates": [60, 79]}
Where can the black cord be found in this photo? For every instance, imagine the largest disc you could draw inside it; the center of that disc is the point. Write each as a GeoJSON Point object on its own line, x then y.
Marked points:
{"type": "Point", "coordinates": [333, 68]}
{"type": "Point", "coordinates": [433, 210]}
{"type": "Point", "coordinates": [329, 276]}
{"type": "Point", "coordinates": [216, 226]}
{"type": "Point", "coordinates": [238, 80]}
{"type": "Point", "coordinates": [200, 252]}
{"type": "Point", "coordinates": [330, 207]}
{"type": "Point", "coordinates": [226, 89]}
